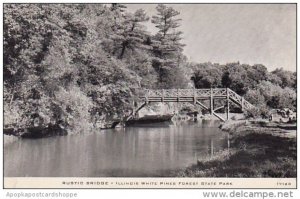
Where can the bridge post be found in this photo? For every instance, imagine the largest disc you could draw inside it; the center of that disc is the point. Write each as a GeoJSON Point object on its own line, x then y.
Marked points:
{"type": "Point", "coordinates": [195, 99]}
{"type": "Point", "coordinates": [163, 95]}
{"type": "Point", "coordinates": [242, 105]}
{"type": "Point", "coordinates": [146, 96]}
{"type": "Point", "coordinates": [227, 111]}
{"type": "Point", "coordinates": [133, 110]}
{"type": "Point", "coordinates": [211, 102]}
{"type": "Point", "coordinates": [211, 147]}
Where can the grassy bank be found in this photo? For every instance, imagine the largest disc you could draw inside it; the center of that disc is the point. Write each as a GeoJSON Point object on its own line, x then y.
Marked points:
{"type": "Point", "coordinates": [258, 149]}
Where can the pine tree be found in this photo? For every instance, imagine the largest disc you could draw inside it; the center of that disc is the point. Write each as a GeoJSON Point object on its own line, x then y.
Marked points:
{"type": "Point", "coordinates": [167, 46]}
{"type": "Point", "coordinates": [118, 11]}
{"type": "Point", "coordinates": [133, 35]}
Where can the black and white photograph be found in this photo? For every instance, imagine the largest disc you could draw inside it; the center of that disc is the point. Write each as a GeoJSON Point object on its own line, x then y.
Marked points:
{"type": "Point", "coordinates": [151, 91]}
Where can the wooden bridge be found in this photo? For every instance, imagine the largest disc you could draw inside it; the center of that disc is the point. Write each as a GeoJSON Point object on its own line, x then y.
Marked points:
{"type": "Point", "coordinates": [195, 96]}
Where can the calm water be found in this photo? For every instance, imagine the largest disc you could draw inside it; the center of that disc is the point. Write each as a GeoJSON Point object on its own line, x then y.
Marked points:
{"type": "Point", "coordinates": [154, 150]}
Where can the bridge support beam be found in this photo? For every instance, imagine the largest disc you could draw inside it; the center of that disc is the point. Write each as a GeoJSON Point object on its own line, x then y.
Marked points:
{"type": "Point", "coordinates": [242, 105]}
{"type": "Point", "coordinates": [134, 112]}
{"type": "Point", "coordinates": [194, 97]}
{"type": "Point", "coordinates": [218, 116]}
{"type": "Point", "coordinates": [216, 109]}
{"type": "Point", "coordinates": [211, 102]}
{"type": "Point", "coordinates": [201, 105]}
{"type": "Point", "coordinates": [227, 109]}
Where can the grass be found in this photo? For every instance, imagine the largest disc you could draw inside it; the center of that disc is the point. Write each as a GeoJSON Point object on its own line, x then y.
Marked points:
{"type": "Point", "coordinates": [256, 151]}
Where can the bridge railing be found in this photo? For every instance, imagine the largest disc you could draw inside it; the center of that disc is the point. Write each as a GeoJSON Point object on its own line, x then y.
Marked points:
{"type": "Point", "coordinates": [219, 92]}
{"type": "Point", "coordinates": [186, 92]}
{"type": "Point", "coordinates": [203, 92]}
{"type": "Point", "coordinates": [198, 93]}
{"type": "Point", "coordinates": [239, 99]}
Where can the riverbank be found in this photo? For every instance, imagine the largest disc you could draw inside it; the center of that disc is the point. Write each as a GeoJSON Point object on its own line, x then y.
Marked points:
{"type": "Point", "coordinates": [56, 130]}
{"type": "Point", "coordinates": [257, 149]}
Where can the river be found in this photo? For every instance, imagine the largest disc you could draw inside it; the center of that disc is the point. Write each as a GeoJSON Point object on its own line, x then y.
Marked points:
{"type": "Point", "coordinates": [155, 150]}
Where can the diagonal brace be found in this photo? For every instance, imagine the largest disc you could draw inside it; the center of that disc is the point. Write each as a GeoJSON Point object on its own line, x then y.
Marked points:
{"type": "Point", "coordinates": [202, 105]}
{"type": "Point", "coordinates": [219, 108]}
{"type": "Point", "coordinates": [135, 111]}
{"type": "Point", "coordinates": [218, 116]}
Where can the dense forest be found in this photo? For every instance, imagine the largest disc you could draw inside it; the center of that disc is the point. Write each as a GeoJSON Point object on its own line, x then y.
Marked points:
{"type": "Point", "coordinates": [78, 64]}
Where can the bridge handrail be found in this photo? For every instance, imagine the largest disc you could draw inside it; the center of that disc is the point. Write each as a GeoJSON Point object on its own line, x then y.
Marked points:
{"type": "Point", "coordinates": [185, 92]}
{"type": "Point", "coordinates": [222, 92]}
{"type": "Point", "coordinates": [239, 99]}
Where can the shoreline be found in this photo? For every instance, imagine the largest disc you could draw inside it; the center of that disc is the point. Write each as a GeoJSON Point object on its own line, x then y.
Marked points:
{"type": "Point", "coordinates": [258, 149]}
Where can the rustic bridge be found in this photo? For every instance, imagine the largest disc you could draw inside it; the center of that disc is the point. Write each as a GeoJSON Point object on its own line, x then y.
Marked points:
{"type": "Point", "coordinates": [195, 96]}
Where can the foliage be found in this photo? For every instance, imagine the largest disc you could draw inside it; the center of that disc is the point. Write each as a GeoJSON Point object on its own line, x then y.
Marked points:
{"type": "Point", "coordinates": [78, 64]}
{"type": "Point", "coordinates": [263, 89]}
{"type": "Point", "coordinates": [276, 96]}
{"type": "Point", "coordinates": [207, 75]}
{"type": "Point", "coordinates": [285, 78]}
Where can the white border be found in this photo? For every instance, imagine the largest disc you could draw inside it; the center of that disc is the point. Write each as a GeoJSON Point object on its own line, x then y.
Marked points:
{"type": "Point", "coordinates": [121, 193]}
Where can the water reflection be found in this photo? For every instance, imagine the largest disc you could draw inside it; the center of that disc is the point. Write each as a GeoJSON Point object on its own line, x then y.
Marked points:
{"type": "Point", "coordinates": [153, 150]}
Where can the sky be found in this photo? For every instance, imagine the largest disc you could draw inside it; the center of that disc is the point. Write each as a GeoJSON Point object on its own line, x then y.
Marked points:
{"type": "Point", "coordinates": [248, 33]}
